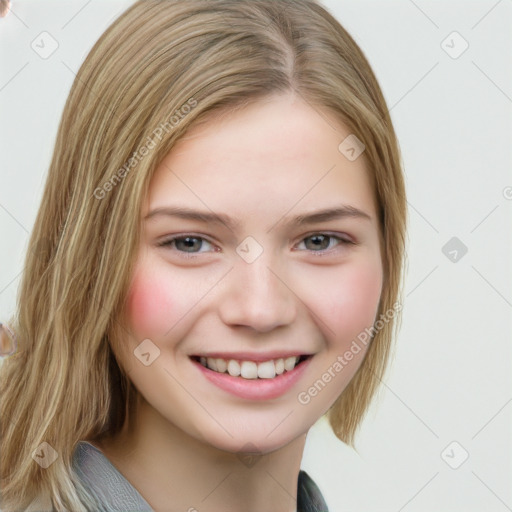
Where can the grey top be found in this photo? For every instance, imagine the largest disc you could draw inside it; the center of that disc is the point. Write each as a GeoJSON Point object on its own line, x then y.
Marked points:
{"type": "Point", "coordinates": [115, 494]}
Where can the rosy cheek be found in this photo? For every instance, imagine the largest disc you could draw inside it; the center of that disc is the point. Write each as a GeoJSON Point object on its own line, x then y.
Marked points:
{"type": "Point", "coordinates": [149, 306]}
{"type": "Point", "coordinates": [358, 300]}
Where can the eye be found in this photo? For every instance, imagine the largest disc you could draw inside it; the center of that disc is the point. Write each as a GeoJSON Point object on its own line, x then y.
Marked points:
{"type": "Point", "coordinates": [191, 245]}
{"type": "Point", "coordinates": [186, 244]}
{"type": "Point", "coordinates": [321, 242]}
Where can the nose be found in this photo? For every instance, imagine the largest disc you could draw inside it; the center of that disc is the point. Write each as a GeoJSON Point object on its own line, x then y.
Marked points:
{"type": "Point", "coordinates": [257, 296]}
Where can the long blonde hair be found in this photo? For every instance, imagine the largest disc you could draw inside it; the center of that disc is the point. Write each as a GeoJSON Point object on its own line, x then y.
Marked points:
{"type": "Point", "coordinates": [63, 383]}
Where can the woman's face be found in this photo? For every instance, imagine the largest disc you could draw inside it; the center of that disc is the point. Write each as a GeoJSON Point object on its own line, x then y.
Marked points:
{"type": "Point", "coordinates": [240, 267]}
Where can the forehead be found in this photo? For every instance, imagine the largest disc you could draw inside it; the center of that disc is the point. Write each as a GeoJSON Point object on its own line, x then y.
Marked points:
{"type": "Point", "coordinates": [263, 159]}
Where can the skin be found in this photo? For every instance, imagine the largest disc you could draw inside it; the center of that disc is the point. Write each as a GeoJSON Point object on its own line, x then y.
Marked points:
{"type": "Point", "coordinates": [4, 8]}
{"type": "Point", "coordinates": [262, 166]}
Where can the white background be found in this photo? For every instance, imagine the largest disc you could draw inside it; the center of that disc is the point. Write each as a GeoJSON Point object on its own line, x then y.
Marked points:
{"type": "Point", "coordinates": [451, 375]}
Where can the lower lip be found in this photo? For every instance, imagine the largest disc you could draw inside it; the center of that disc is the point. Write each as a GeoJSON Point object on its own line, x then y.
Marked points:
{"type": "Point", "coordinates": [255, 389]}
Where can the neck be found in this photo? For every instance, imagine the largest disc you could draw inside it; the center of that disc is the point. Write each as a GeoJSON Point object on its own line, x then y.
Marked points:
{"type": "Point", "coordinates": [169, 467]}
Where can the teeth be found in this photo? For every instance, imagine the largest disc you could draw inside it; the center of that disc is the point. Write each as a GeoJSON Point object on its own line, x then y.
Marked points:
{"type": "Point", "coordinates": [221, 365]}
{"type": "Point", "coordinates": [233, 368]}
{"type": "Point", "coordinates": [289, 363]}
{"type": "Point", "coordinates": [267, 370]}
{"type": "Point", "coordinates": [250, 369]}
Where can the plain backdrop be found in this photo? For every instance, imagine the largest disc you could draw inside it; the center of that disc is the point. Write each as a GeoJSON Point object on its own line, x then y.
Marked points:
{"type": "Point", "coordinates": [439, 436]}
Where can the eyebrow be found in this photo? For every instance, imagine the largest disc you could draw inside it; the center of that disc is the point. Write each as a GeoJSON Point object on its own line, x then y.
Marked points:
{"type": "Point", "coordinates": [340, 212]}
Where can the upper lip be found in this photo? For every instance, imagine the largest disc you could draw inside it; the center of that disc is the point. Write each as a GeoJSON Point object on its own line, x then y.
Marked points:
{"type": "Point", "coordinates": [253, 356]}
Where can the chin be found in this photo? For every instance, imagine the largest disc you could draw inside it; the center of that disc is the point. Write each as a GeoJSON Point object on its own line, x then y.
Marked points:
{"type": "Point", "coordinates": [252, 437]}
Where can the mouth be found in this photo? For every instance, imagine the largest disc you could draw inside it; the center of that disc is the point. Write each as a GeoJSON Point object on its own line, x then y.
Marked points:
{"type": "Point", "coordinates": [252, 370]}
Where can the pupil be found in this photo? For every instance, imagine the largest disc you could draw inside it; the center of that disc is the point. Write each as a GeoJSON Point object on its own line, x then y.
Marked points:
{"type": "Point", "coordinates": [188, 242]}
{"type": "Point", "coordinates": [319, 241]}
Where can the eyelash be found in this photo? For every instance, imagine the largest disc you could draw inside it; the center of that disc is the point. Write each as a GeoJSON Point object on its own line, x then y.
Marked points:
{"type": "Point", "coordinates": [169, 241]}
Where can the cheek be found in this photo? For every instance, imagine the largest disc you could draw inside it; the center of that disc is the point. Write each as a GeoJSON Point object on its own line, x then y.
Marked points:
{"type": "Point", "coordinates": [149, 306]}
{"type": "Point", "coordinates": [354, 300]}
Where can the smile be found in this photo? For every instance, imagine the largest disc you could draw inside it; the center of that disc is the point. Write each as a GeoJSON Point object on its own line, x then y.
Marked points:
{"type": "Point", "coordinates": [268, 377]}
{"type": "Point", "coordinates": [253, 376]}
{"type": "Point", "coordinates": [247, 369]}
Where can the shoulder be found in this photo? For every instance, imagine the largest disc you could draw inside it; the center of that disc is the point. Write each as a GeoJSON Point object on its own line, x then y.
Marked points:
{"type": "Point", "coordinates": [104, 482]}
{"type": "Point", "coordinates": [309, 496]}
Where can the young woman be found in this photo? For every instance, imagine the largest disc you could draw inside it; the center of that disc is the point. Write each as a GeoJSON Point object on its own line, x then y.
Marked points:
{"type": "Point", "coordinates": [215, 265]}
